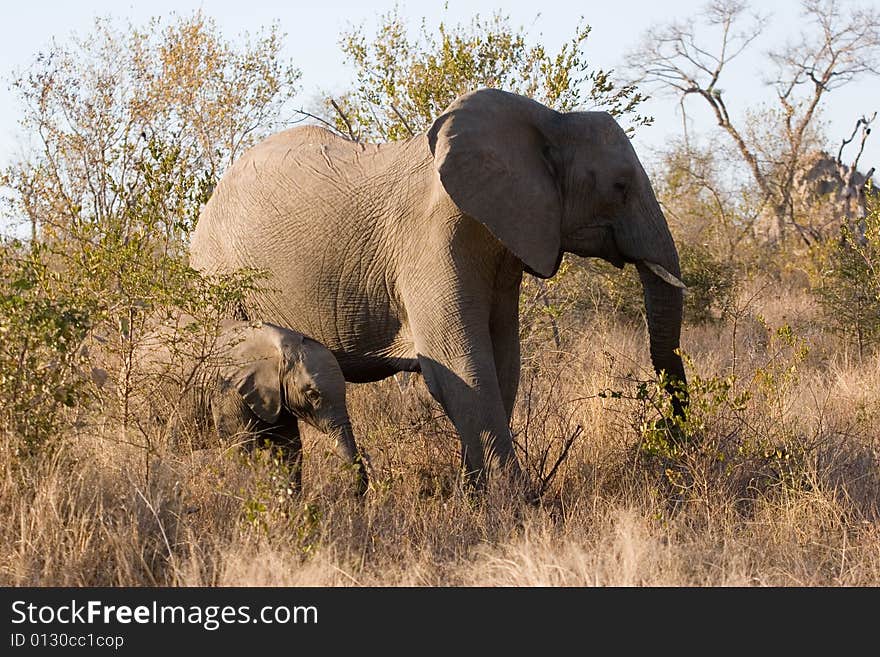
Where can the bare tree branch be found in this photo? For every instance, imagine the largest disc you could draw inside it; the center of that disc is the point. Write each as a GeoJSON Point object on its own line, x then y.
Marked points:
{"type": "Point", "coordinates": [403, 120]}
{"type": "Point", "coordinates": [345, 120]}
{"type": "Point", "coordinates": [864, 123]}
{"type": "Point", "coordinates": [689, 59]}
{"type": "Point", "coordinates": [325, 122]}
{"type": "Point", "coordinates": [563, 454]}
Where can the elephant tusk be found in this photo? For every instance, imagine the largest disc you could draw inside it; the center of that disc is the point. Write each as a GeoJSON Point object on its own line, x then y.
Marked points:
{"type": "Point", "coordinates": [665, 275]}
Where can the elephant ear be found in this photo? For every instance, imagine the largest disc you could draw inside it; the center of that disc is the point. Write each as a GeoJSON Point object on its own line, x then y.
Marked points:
{"type": "Point", "coordinates": [492, 159]}
{"type": "Point", "coordinates": [257, 358]}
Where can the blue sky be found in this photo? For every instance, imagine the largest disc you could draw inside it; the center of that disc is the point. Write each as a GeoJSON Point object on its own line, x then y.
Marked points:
{"type": "Point", "coordinates": [312, 42]}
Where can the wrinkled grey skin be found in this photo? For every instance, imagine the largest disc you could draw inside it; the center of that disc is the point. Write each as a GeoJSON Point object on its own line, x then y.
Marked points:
{"type": "Point", "coordinates": [264, 378]}
{"type": "Point", "coordinates": [409, 256]}
{"type": "Point", "coordinates": [272, 378]}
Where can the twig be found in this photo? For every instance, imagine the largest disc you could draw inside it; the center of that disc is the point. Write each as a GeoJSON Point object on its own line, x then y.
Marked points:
{"type": "Point", "coordinates": [345, 120]}
{"type": "Point", "coordinates": [345, 574]}
{"type": "Point", "coordinates": [403, 121]}
{"type": "Point", "coordinates": [865, 132]}
{"type": "Point", "coordinates": [318, 118]}
{"type": "Point", "coordinates": [844, 142]}
{"type": "Point", "coordinates": [158, 521]}
{"type": "Point", "coordinates": [545, 481]}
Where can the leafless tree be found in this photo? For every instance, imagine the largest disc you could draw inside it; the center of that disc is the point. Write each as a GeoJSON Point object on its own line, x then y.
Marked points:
{"type": "Point", "coordinates": [837, 45]}
{"type": "Point", "coordinates": [853, 182]}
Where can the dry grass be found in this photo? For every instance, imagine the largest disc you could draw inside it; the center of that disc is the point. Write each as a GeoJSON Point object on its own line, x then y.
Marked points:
{"type": "Point", "coordinates": [785, 491]}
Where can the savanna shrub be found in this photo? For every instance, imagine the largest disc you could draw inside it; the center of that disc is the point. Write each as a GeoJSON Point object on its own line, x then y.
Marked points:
{"type": "Point", "coordinates": [41, 331]}
{"type": "Point", "coordinates": [846, 279]}
{"type": "Point", "coordinates": [711, 283]}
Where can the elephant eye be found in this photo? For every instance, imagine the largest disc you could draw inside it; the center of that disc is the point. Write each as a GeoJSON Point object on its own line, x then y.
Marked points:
{"type": "Point", "coordinates": [620, 188]}
{"type": "Point", "coordinates": [313, 396]}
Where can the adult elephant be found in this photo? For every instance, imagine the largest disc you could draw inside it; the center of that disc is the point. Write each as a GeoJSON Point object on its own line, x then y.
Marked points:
{"type": "Point", "coordinates": [409, 256]}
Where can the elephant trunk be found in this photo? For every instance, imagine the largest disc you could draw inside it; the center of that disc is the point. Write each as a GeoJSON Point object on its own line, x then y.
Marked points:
{"type": "Point", "coordinates": [645, 240]}
{"type": "Point", "coordinates": [663, 308]}
{"type": "Point", "coordinates": [342, 434]}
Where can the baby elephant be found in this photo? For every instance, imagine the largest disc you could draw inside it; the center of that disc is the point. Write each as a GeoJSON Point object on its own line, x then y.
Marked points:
{"type": "Point", "coordinates": [262, 380]}
{"type": "Point", "coordinates": [269, 377]}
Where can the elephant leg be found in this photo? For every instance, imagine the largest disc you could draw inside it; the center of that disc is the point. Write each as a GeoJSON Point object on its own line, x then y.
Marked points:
{"type": "Point", "coordinates": [507, 367]}
{"type": "Point", "coordinates": [504, 330]}
{"type": "Point", "coordinates": [290, 442]}
{"type": "Point", "coordinates": [236, 424]}
{"type": "Point", "coordinates": [465, 383]}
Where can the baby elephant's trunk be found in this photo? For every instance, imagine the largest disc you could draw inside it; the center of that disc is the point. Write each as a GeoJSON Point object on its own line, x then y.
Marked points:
{"type": "Point", "coordinates": [343, 438]}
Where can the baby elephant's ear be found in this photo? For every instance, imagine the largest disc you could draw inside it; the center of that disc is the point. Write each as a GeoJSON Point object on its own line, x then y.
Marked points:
{"type": "Point", "coordinates": [255, 370]}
